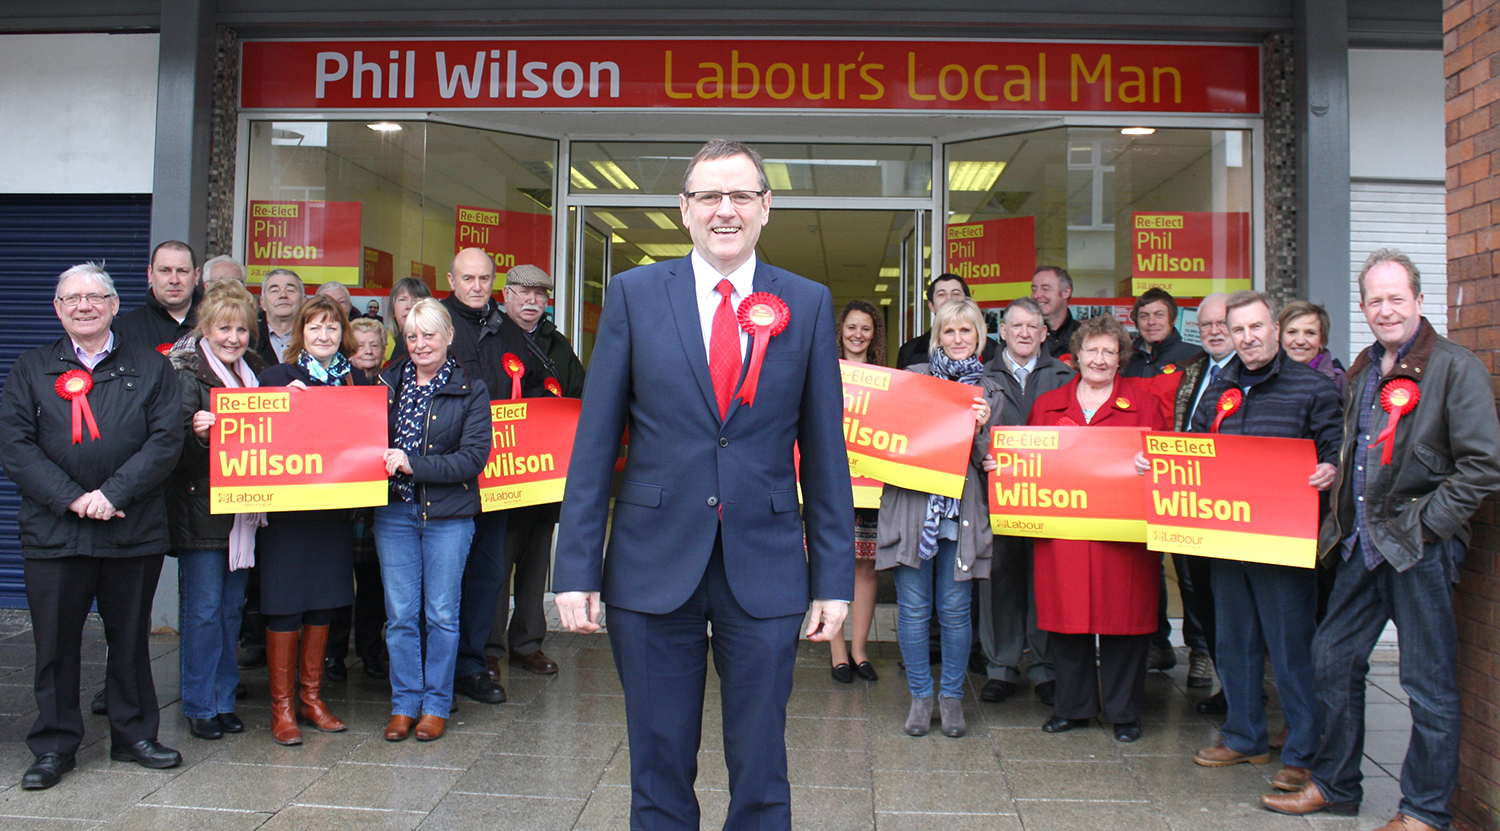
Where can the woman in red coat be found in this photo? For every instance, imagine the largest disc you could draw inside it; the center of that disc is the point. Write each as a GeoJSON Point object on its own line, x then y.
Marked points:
{"type": "Point", "coordinates": [1108, 589]}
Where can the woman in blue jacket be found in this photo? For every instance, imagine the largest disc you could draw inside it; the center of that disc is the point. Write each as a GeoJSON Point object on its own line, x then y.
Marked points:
{"type": "Point", "coordinates": [440, 441]}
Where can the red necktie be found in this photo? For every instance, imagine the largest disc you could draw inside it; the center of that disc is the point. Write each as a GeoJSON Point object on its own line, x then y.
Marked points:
{"type": "Point", "coordinates": [724, 349]}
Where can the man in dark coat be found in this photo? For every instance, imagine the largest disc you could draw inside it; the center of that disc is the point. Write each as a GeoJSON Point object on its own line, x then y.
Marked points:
{"type": "Point", "coordinates": [93, 516]}
{"type": "Point", "coordinates": [1159, 349]}
{"type": "Point", "coordinates": [1052, 288]}
{"type": "Point", "coordinates": [943, 288]}
{"type": "Point", "coordinates": [171, 305]}
{"type": "Point", "coordinates": [526, 332]}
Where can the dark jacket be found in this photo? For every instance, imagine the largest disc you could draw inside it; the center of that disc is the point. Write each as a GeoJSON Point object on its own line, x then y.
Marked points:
{"type": "Point", "coordinates": [135, 402]}
{"type": "Point", "coordinates": [1194, 375]}
{"type": "Point", "coordinates": [1148, 362]}
{"type": "Point", "coordinates": [1294, 401]}
{"type": "Point", "coordinates": [1060, 340]}
{"type": "Point", "coordinates": [456, 446]}
{"type": "Point", "coordinates": [1445, 461]}
{"type": "Point", "coordinates": [477, 345]}
{"type": "Point", "coordinates": [153, 327]}
{"type": "Point", "coordinates": [263, 346]}
{"type": "Point", "coordinates": [189, 517]}
{"type": "Point", "coordinates": [914, 351]}
{"type": "Point", "coordinates": [1046, 376]}
{"type": "Point", "coordinates": [546, 354]}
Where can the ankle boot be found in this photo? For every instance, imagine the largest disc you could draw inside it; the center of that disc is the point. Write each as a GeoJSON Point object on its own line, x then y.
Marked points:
{"type": "Point", "coordinates": [919, 720]}
{"type": "Point", "coordinates": [281, 662]}
{"type": "Point", "coordinates": [310, 702]}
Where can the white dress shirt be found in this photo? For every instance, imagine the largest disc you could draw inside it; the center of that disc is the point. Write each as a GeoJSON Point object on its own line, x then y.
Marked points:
{"type": "Point", "coordinates": [706, 285]}
{"type": "Point", "coordinates": [1203, 387]}
{"type": "Point", "coordinates": [92, 361]}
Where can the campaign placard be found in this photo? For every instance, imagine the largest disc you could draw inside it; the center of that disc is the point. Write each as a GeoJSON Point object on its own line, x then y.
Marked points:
{"type": "Point", "coordinates": [1200, 501]}
{"type": "Point", "coordinates": [1190, 253]}
{"type": "Point", "coordinates": [1067, 483]}
{"type": "Point", "coordinates": [995, 257]}
{"type": "Point", "coordinates": [284, 449]}
{"type": "Point", "coordinates": [909, 430]}
{"type": "Point", "coordinates": [511, 238]}
{"type": "Point", "coordinates": [380, 269]}
{"type": "Point", "coordinates": [531, 441]}
{"type": "Point", "coordinates": [318, 240]}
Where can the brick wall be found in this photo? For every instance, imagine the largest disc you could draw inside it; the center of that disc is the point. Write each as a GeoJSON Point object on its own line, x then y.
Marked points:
{"type": "Point", "coordinates": [1471, 48]}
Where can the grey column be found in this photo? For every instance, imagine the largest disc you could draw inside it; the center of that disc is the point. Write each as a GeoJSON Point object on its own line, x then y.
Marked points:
{"type": "Point", "coordinates": [1322, 79]}
{"type": "Point", "coordinates": [184, 93]}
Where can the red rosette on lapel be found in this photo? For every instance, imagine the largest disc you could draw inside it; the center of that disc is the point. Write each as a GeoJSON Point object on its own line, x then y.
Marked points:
{"type": "Point", "coordinates": [553, 387]}
{"type": "Point", "coordinates": [74, 386]}
{"type": "Point", "coordinates": [1398, 396]}
{"type": "Point", "coordinates": [1229, 402]}
{"type": "Point", "coordinates": [764, 316]}
{"type": "Point", "coordinates": [164, 348]}
{"type": "Point", "coordinates": [515, 368]}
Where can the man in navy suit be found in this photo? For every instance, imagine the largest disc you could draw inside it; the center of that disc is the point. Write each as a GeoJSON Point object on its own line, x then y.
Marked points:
{"type": "Point", "coordinates": [706, 528]}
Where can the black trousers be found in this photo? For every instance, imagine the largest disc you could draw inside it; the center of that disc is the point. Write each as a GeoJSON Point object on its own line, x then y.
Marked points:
{"type": "Point", "coordinates": [528, 553]}
{"type": "Point", "coordinates": [1120, 671]}
{"type": "Point", "coordinates": [367, 617]}
{"type": "Point", "coordinates": [60, 592]}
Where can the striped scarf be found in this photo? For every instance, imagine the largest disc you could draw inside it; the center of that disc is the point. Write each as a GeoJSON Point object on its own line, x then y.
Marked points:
{"type": "Point", "coordinates": [966, 371]}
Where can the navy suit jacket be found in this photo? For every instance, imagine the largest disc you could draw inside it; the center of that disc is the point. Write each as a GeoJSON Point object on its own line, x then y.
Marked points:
{"type": "Point", "coordinates": [649, 372]}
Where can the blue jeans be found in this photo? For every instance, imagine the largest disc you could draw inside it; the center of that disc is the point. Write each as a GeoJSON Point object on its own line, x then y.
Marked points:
{"type": "Point", "coordinates": [209, 599]}
{"type": "Point", "coordinates": [1267, 609]}
{"type": "Point", "coordinates": [422, 567]}
{"type": "Point", "coordinates": [916, 591]}
{"type": "Point", "coordinates": [484, 580]}
{"type": "Point", "coordinates": [1420, 601]}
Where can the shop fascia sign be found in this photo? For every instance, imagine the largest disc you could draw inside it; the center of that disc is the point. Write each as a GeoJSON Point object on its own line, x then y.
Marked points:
{"type": "Point", "coordinates": [882, 75]}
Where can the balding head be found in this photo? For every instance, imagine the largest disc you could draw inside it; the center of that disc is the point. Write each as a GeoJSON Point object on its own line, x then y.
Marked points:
{"type": "Point", "coordinates": [472, 277]}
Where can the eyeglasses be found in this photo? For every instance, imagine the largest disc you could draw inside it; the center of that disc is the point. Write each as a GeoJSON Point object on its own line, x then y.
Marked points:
{"type": "Point", "coordinates": [1096, 352]}
{"type": "Point", "coordinates": [1214, 325]}
{"type": "Point", "coordinates": [72, 300]}
{"type": "Point", "coordinates": [712, 198]}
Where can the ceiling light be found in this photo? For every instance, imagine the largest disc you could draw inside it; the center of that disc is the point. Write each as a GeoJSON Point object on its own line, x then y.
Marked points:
{"type": "Point", "coordinates": [612, 221]}
{"type": "Point", "coordinates": [1137, 131]}
{"type": "Point", "coordinates": [615, 175]}
{"type": "Point", "coordinates": [667, 250]}
{"type": "Point", "coordinates": [885, 301]}
{"type": "Point", "coordinates": [891, 271]}
{"type": "Point", "coordinates": [882, 286]}
{"type": "Point", "coordinates": [661, 220]}
{"type": "Point", "coordinates": [385, 127]}
{"type": "Point", "coordinates": [646, 260]}
{"type": "Point", "coordinates": [973, 176]}
{"type": "Point", "coordinates": [579, 180]}
{"type": "Point", "coordinates": [779, 176]}
{"type": "Point", "coordinates": [958, 219]}
{"type": "Point", "coordinates": [616, 239]}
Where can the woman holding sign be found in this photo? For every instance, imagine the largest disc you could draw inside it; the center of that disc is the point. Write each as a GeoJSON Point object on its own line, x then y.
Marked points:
{"type": "Point", "coordinates": [440, 440]}
{"type": "Point", "coordinates": [214, 551]}
{"type": "Point", "coordinates": [1108, 589]}
{"type": "Point", "coordinates": [307, 557]}
{"type": "Point", "coordinates": [937, 544]}
{"type": "Point", "coordinates": [861, 340]}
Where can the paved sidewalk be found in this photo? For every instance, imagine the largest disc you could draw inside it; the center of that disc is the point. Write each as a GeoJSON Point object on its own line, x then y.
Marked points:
{"type": "Point", "coordinates": [554, 757]}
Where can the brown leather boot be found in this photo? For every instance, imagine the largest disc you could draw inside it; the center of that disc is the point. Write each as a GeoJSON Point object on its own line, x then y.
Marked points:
{"type": "Point", "coordinates": [310, 706]}
{"type": "Point", "coordinates": [281, 662]}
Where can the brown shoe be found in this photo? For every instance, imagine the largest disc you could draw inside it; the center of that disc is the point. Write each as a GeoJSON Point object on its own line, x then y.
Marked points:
{"type": "Point", "coordinates": [1220, 756]}
{"type": "Point", "coordinates": [310, 706]}
{"type": "Point", "coordinates": [398, 728]}
{"type": "Point", "coordinates": [1309, 800]}
{"type": "Point", "coordinates": [1279, 741]}
{"type": "Point", "coordinates": [492, 664]}
{"type": "Point", "coordinates": [536, 663]}
{"type": "Point", "coordinates": [430, 728]}
{"type": "Point", "coordinates": [1403, 822]}
{"type": "Point", "coordinates": [281, 663]}
{"type": "Point", "coordinates": [1291, 778]}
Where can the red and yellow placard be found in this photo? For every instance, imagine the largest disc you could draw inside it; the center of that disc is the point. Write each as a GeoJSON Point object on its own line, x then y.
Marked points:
{"type": "Point", "coordinates": [510, 238]}
{"type": "Point", "coordinates": [996, 257]}
{"type": "Point", "coordinates": [909, 430]}
{"type": "Point", "coordinates": [318, 240]}
{"type": "Point", "coordinates": [273, 449]}
{"type": "Point", "coordinates": [530, 443]}
{"type": "Point", "coordinates": [380, 269]}
{"type": "Point", "coordinates": [1067, 483]}
{"type": "Point", "coordinates": [1200, 501]}
{"type": "Point", "coordinates": [1190, 253]}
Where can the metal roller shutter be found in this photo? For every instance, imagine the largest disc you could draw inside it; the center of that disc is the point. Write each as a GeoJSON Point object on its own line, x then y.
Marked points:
{"type": "Point", "coordinates": [1412, 217]}
{"type": "Point", "coordinates": [40, 237]}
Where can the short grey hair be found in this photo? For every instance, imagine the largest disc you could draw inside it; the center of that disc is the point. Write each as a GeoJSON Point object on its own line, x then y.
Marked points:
{"type": "Point", "coordinates": [1391, 255]}
{"type": "Point", "coordinates": [93, 271]}
{"type": "Point", "coordinates": [428, 315]}
{"type": "Point", "coordinates": [959, 308]}
{"type": "Point", "coordinates": [208, 267]}
{"type": "Point", "coordinates": [277, 272]}
{"type": "Point", "coordinates": [1025, 304]}
{"type": "Point", "coordinates": [332, 285]}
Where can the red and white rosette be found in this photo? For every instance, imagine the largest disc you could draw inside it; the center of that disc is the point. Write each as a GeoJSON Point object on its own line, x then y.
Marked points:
{"type": "Point", "coordinates": [74, 386]}
{"type": "Point", "coordinates": [1229, 402]}
{"type": "Point", "coordinates": [764, 316]}
{"type": "Point", "coordinates": [1398, 396]}
{"type": "Point", "coordinates": [515, 368]}
{"type": "Point", "coordinates": [164, 348]}
{"type": "Point", "coordinates": [553, 387]}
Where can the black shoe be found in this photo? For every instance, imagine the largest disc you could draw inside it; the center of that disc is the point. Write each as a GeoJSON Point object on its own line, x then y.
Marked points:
{"type": "Point", "coordinates": [230, 723]}
{"type": "Point", "coordinates": [334, 670]}
{"type": "Point", "coordinates": [843, 674]}
{"type": "Point", "coordinates": [98, 706]}
{"type": "Point", "coordinates": [1057, 724]}
{"type": "Point", "coordinates": [978, 664]}
{"type": "Point", "coordinates": [46, 771]}
{"type": "Point", "coordinates": [1046, 692]}
{"type": "Point", "coordinates": [995, 690]}
{"type": "Point", "coordinates": [865, 671]}
{"type": "Point", "coordinates": [375, 668]}
{"type": "Point", "coordinates": [1214, 705]}
{"type": "Point", "coordinates": [252, 657]}
{"type": "Point", "coordinates": [1128, 732]}
{"type": "Point", "coordinates": [240, 691]}
{"type": "Point", "coordinates": [148, 753]}
{"type": "Point", "coordinates": [480, 688]}
{"type": "Point", "coordinates": [205, 728]}
{"type": "Point", "coordinates": [1160, 658]}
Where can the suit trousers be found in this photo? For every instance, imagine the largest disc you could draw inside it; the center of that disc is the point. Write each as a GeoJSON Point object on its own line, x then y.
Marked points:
{"type": "Point", "coordinates": [663, 663]}
{"type": "Point", "coordinates": [1006, 619]}
{"type": "Point", "coordinates": [528, 552]}
{"type": "Point", "coordinates": [1120, 669]}
{"type": "Point", "coordinates": [60, 592]}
